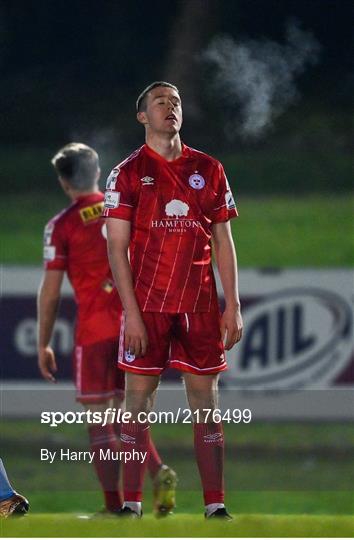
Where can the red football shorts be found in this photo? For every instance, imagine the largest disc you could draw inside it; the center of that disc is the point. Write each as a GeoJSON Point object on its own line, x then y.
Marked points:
{"type": "Point", "coordinates": [185, 341]}
{"type": "Point", "coordinates": [97, 376]}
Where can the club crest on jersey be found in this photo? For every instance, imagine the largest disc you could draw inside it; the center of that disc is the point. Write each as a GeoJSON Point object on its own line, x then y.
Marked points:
{"type": "Point", "coordinates": [147, 181]}
{"type": "Point", "coordinates": [112, 178]}
{"type": "Point", "coordinates": [111, 199]}
{"type": "Point", "coordinates": [129, 357]}
{"type": "Point", "coordinates": [196, 181]}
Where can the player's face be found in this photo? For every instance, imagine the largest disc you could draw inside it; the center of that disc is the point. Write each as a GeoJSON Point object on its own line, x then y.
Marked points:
{"type": "Point", "coordinates": [163, 111]}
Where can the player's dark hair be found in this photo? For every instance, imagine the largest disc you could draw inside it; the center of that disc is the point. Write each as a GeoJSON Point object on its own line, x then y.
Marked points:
{"type": "Point", "coordinates": [142, 99]}
{"type": "Point", "coordinates": [78, 164]}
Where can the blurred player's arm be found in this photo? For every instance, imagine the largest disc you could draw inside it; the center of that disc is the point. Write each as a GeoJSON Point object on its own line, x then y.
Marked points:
{"type": "Point", "coordinates": [226, 260]}
{"type": "Point", "coordinates": [47, 307]}
{"type": "Point", "coordinates": [118, 236]}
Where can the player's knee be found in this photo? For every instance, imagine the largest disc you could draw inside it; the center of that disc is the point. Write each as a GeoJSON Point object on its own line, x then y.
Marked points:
{"type": "Point", "coordinates": [202, 403]}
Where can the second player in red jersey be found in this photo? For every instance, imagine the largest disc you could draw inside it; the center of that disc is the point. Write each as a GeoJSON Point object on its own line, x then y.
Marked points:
{"type": "Point", "coordinates": [75, 242]}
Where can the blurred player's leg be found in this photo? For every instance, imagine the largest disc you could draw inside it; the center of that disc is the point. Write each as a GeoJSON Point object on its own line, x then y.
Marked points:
{"type": "Point", "coordinates": [11, 503]}
{"type": "Point", "coordinates": [103, 439]}
{"type": "Point", "coordinates": [140, 392]}
{"type": "Point", "coordinates": [100, 386]}
{"type": "Point", "coordinates": [208, 441]}
{"type": "Point", "coordinates": [165, 483]}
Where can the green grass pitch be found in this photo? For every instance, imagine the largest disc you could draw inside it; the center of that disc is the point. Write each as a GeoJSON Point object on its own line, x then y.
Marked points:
{"type": "Point", "coordinates": [183, 525]}
{"type": "Point", "coordinates": [277, 483]}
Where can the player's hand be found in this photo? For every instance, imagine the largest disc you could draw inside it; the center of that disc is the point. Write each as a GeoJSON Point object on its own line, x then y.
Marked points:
{"type": "Point", "coordinates": [231, 327]}
{"type": "Point", "coordinates": [136, 338]}
{"type": "Point", "coordinates": [47, 364]}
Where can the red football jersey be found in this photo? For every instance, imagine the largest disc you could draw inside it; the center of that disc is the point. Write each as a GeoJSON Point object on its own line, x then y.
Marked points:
{"type": "Point", "coordinates": [171, 206]}
{"type": "Point", "coordinates": [75, 241]}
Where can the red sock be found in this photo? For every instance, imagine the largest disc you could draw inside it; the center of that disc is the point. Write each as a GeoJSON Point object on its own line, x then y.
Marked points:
{"type": "Point", "coordinates": [154, 462]}
{"type": "Point", "coordinates": [136, 437]}
{"type": "Point", "coordinates": [209, 451]}
{"type": "Point", "coordinates": [103, 438]}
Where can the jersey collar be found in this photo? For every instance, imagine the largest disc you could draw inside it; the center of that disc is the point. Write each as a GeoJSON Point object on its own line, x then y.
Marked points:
{"type": "Point", "coordinates": [155, 155]}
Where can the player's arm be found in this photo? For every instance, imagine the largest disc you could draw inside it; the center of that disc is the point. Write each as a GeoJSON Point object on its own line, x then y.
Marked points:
{"type": "Point", "coordinates": [118, 236]}
{"type": "Point", "coordinates": [226, 260]}
{"type": "Point", "coordinates": [47, 306]}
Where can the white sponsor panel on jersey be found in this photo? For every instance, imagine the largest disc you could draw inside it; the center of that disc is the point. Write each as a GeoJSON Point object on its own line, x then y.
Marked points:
{"type": "Point", "coordinates": [111, 199]}
{"type": "Point", "coordinates": [48, 231]}
{"type": "Point", "coordinates": [230, 201]}
{"type": "Point", "coordinates": [49, 253]}
{"type": "Point", "coordinates": [112, 178]}
{"type": "Point", "coordinates": [176, 208]}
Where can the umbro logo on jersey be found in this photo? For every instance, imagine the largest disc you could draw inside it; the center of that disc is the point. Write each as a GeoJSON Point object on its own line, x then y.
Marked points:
{"type": "Point", "coordinates": [147, 181]}
{"type": "Point", "coordinates": [213, 437]}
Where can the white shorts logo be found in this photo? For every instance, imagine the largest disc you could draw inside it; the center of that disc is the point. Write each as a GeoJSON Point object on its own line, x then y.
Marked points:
{"type": "Point", "coordinates": [129, 357]}
{"type": "Point", "coordinates": [111, 199]}
{"type": "Point", "coordinates": [196, 181]}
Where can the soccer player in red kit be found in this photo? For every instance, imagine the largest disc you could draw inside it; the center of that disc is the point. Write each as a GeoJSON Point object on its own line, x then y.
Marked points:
{"type": "Point", "coordinates": [166, 204]}
{"type": "Point", "coordinates": [75, 243]}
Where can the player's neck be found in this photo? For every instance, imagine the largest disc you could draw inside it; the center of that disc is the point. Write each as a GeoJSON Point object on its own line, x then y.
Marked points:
{"type": "Point", "coordinates": [74, 195]}
{"type": "Point", "coordinates": [168, 148]}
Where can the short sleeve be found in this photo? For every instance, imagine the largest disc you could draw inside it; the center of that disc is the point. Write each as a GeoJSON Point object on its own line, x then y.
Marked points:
{"type": "Point", "coordinates": [54, 247]}
{"type": "Point", "coordinates": [119, 196]}
{"type": "Point", "coordinates": [225, 207]}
